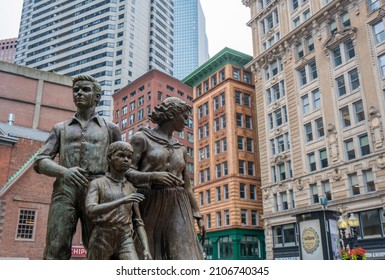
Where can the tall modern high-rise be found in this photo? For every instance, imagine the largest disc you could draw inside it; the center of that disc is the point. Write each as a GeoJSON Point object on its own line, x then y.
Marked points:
{"type": "Point", "coordinates": [190, 40]}
{"type": "Point", "coordinates": [115, 41]}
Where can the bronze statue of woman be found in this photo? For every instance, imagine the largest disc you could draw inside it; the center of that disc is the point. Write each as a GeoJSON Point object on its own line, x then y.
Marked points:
{"type": "Point", "coordinates": [159, 172]}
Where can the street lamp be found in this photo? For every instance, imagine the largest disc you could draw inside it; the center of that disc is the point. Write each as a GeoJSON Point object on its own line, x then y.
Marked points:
{"type": "Point", "coordinates": [351, 238]}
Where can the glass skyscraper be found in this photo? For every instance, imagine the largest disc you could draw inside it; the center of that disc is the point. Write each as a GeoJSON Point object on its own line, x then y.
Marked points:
{"type": "Point", "coordinates": [115, 41]}
{"type": "Point", "coordinates": [190, 40]}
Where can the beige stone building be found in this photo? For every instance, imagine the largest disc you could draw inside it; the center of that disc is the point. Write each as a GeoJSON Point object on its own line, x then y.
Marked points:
{"type": "Point", "coordinates": [319, 69]}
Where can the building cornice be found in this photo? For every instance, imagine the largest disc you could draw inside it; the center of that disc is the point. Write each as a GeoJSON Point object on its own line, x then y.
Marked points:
{"type": "Point", "coordinates": [311, 26]}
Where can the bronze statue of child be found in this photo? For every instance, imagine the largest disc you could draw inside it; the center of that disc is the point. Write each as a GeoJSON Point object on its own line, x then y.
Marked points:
{"type": "Point", "coordinates": [112, 203]}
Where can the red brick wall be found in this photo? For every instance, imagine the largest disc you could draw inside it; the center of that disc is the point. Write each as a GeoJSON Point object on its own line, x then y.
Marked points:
{"type": "Point", "coordinates": [18, 96]}
{"type": "Point", "coordinates": [31, 191]}
{"type": "Point", "coordinates": [5, 157]}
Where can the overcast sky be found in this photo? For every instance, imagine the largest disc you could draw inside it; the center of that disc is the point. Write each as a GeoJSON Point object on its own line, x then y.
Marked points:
{"type": "Point", "coordinates": [225, 23]}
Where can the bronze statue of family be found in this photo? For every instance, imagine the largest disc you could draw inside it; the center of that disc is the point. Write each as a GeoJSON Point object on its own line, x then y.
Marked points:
{"type": "Point", "coordinates": [134, 200]}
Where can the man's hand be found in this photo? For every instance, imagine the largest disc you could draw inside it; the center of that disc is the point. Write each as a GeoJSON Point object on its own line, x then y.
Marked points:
{"type": "Point", "coordinates": [134, 197]}
{"type": "Point", "coordinates": [166, 178]}
{"type": "Point", "coordinates": [147, 255]}
{"type": "Point", "coordinates": [202, 229]}
{"type": "Point", "coordinates": [74, 176]}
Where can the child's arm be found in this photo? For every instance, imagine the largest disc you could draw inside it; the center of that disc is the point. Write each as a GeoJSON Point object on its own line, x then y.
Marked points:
{"type": "Point", "coordinates": [140, 231]}
{"type": "Point", "coordinates": [93, 208]}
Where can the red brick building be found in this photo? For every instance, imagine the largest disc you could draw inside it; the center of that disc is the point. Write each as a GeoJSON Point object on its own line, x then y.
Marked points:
{"type": "Point", "coordinates": [38, 99]}
{"type": "Point", "coordinates": [8, 49]}
{"type": "Point", "coordinates": [133, 104]}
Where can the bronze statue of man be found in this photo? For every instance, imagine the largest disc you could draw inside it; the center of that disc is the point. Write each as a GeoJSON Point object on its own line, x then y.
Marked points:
{"type": "Point", "coordinates": [81, 143]}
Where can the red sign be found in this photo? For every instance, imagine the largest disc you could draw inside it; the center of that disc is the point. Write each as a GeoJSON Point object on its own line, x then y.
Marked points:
{"type": "Point", "coordinates": [78, 252]}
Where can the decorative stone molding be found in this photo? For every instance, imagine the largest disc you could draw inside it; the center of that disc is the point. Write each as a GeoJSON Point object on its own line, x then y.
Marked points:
{"type": "Point", "coordinates": [279, 158]}
{"type": "Point", "coordinates": [375, 125]}
{"type": "Point", "coordinates": [342, 208]}
{"type": "Point", "coordinates": [267, 227]}
{"type": "Point", "coordinates": [336, 174]}
{"type": "Point", "coordinates": [332, 142]}
{"type": "Point", "coordinates": [380, 162]}
{"type": "Point", "coordinates": [337, 38]}
{"type": "Point", "coordinates": [266, 193]}
{"type": "Point", "coordinates": [298, 184]}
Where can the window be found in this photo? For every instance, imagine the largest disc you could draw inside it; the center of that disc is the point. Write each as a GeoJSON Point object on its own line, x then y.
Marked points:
{"type": "Point", "coordinates": [26, 224]}
{"type": "Point", "coordinates": [132, 105]}
{"type": "Point", "coordinates": [353, 79]}
{"type": "Point", "coordinates": [373, 5]}
{"type": "Point", "coordinates": [218, 170]}
{"type": "Point", "coordinates": [123, 137]}
{"type": "Point", "coordinates": [236, 74]}
{"type": "Point", "coordinates": [124, 123]}
{"type": "Point", "coordinates": [240, 143]}
{"type": "Point", "coordinates": [285, 235]}
{"type": "Point", "coordinates": [239, 118]}
{"type": "Point", "coordinates": [323, 158]}
{"type": "Point", "coordinates": [276, 92]}
{"type": "Point", "coordinates": [310, 44]}
{"type": "Point", "coordinates": [316, 99]}
{"type": "Point", "coordinates": [254, 218]}
{"type": "Point", "coordinates": [242, 191]}
{"type": "Point", "coordinates": [285, 205]}
{"type": "Point", "coordinates": [349, 147]}
{"type": "Point", "coordinates": [307, 73]}
{"type": "Point", "coordinates": [314, 193]}
{"type": "Point", "coordinates": [124, 110]}
{"type": "Point", "coordinates": [311, 161]}
{"type": "Point", "coordinates": [345, 117]}
{"type": "Point", "coordinates": [273, 69]}
{"type": "Point", "coordinates": [201, 198]}
{"type": "Point", "coordinates": [208, 220]}
{"type": "Point", "coordinates": [291, 193]}
{"type": "Point", "coordinates": [345, 20]}
{"type": "Point", "coordinates": [379, 32]}
{"type": "Point", "coordinates": [305, 104]}
{"type": "Point", "coordinates": [225, 192]}
{"type": "Point", "coordinates": [208, 197]}
{"type": "Point", "coordinates": [206, 86]}
{"type": "Point", "coordinates": [247, 77]}
{"type": "Point", "coordinates": [368, 181]}
{"type": "Point", "coordinates": [275, 202]}
{"type": "Point", "coordinates": [370, 222]}
{"type": "Point", "coordinates": [341, 88]}
{"type": "Point", "coordinates": [241, 167]}
{"type": "Point", "coordinates": [326, 190]}
{"type": "Point", "coordinates": [381, 63]}
{"type": "Point", "coordinates": [319, 127]}
{"type": "Point", "coordinates": [218, 193]}
{"type": "Point", "coordinates": [308, 132]}
{"type": "Point", "coordinates": [364, 145]}
{"type": "Point", "coordinates": [248, 122]}
{"type": "Point", "coordinates": [225, 247]}
{"type": "Point", "coordinates": [253, 192]}
{"type": "Point", "coordinates": [281, 171]}
{"type": "Point", "coordinates": [249, 145]}
{"type": "Point", "coordinates": [349, 50]}
{"type": "Point", "coordinates": [226, 215]}
{"type": "Point", "coordinates": [219, 219]}
{"type": "Point", "coordinates": [244, 218]}
{"type": "Point", "coordinates": [353, 183]}
{"type": "Point", "coordinates": [332, 27]}
{"type": "Point", "coordinates": [140, 114]}
{"type": "Point", "coordinates": [250, 168]}
{"type": "Point", "coordinates": [359, 113]}
{"type": "Point", "coordinates": [337, 58]}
